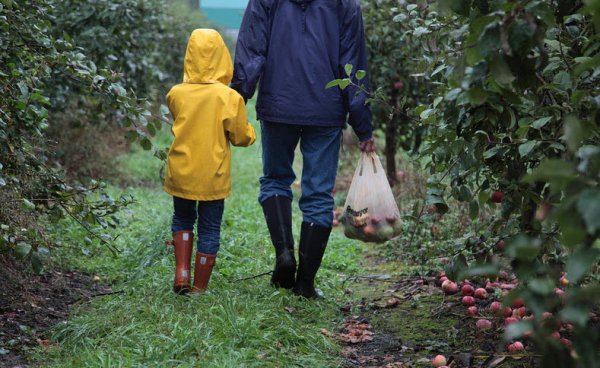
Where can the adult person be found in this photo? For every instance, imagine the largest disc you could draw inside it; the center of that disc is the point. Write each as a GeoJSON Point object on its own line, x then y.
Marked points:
{"type": "Point", "coordinates": [294, 48]}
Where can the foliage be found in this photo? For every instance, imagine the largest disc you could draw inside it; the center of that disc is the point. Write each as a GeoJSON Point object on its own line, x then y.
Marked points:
{"type": "Point", "coordinates": [396, 62]}
{"type": "Point", "coordinates": [517, 111]}
{"type": "Point", "coordinates": [33, 62]}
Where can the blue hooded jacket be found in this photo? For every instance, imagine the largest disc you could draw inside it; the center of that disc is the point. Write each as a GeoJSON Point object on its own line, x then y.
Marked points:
{"type": "Point", "coordinates": [294, 48]}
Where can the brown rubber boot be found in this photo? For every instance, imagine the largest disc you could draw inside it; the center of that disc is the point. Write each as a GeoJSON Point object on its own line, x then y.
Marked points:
{"type": "Point", "coordinates": [202, 271]}
{"type": "Point", "coordinates": [183, 243]}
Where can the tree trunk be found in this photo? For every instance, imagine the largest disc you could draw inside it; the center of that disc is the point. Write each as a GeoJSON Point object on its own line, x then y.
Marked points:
{"type": "Point", "coordinates": [390, 150]}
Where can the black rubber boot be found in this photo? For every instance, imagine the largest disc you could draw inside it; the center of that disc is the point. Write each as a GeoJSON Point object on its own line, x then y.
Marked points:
{"type": "Point", "coordinates": [278, 214]}
{"type": "Point", "coordinates": [313, 241]}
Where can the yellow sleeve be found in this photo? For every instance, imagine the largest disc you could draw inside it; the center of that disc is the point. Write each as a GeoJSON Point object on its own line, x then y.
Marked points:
{"type": "Point", "coordinates": [239, 131]}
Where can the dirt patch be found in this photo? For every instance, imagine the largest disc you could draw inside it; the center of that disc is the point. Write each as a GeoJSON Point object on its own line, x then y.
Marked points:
{"type": "Point", "coordinates": [31, 304]}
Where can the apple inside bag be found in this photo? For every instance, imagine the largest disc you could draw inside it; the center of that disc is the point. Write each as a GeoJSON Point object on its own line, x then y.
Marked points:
{"type": "Point", "coordinates": [370, 213]}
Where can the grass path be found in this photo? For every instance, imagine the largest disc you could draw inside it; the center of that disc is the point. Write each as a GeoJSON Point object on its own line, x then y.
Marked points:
{"type": "Point", "coordinates": [236, 324]}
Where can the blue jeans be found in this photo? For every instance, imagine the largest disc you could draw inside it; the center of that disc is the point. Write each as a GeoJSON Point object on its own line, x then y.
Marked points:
{"type": "Point", "coordinates": [320, 148]}
{"type": "Point", "coordinates": [209, 214]}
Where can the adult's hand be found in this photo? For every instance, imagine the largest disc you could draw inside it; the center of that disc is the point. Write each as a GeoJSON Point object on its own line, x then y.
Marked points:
{"type": "Point", "coordinates": [368, 145]}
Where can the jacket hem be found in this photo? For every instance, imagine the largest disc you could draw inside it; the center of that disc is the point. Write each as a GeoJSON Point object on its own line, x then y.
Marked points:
{"type": "Point", "coordinates": [296, 121]}
{"type": "Point", "coordinates": [196, 196]}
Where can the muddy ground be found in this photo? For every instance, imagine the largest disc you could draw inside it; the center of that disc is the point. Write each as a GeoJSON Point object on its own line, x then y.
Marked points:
{"type": "Point", "coordinates": [31, 304]}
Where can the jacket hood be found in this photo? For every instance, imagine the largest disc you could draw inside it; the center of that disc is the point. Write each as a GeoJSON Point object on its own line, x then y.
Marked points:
{"type": "Point", "coordinates": [207, 59]}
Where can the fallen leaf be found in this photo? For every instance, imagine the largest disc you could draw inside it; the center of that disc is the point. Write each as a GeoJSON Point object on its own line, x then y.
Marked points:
{"type": "Point", "coordinates": [43, 343]}
{"type": "Point", "coordinates": [393, 302]}
{"type": "Point", "coordinates": [290, 310]}
{"type": "Point", "coordinates": [325, 332]}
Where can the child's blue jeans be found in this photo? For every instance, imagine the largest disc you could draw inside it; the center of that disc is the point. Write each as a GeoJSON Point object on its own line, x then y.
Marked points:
{"type": "Point", "coordinates": [320, 147]}
{"type": "Point", "coordinates": [209, 215]}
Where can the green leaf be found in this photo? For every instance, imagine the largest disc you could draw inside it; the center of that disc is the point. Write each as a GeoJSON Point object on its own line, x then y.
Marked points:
{"type": "Point", "coordinates": [516, 330]}
{"type": "Point", "coordinates": [146, 144]}
{"type": "Point", "coordinates": [563, 80]}
{"type": "Point", "coordinates": [164, 110]}
{"type": "Point", "coordinates": [477, 96]}
{"type": "Point", "coordinates": [361, 74]}
{"type": "Point", "coordinates": [437, 201]}
{"type": "Point", "coordinates": [574, 133]}
{"type": "Point", "coordinates": [501, 72]}
{"type": "Point", "coordinates": [580, 262]}
{"type": "Point", "coordinates": [479, 270]}
{"type": "Point", "coordinates": [27, 205]}
{"type": "Point", "coordinates": [523, 248]}
{"type": "Point", "coordinates": [541, 286]}
{"type": "Point", "coordinates": [473, 209]}
{"type": "Point", "coordinates": [344, 83]}
{"type": "Point", "coordinates": [552, 170]}
{"type": "Point", "coordinates": [36, 262]}
{"type": "Point", "coordinates": [22, 250]}
{"type": "Point", "coordinates": [453, 94]}
{"type": "Point", "coordinates": [539, 123]}
{"type": "Point", "coordinates": [333, 83]}
{"type": "Point", "coordinates": [588, 206]}
{"type": "Point", "coordinates": [577, 316]}
{"type": "Point", "coordinates": [348, 69]}
{"type": "Point", "coordinates": [491, 152]}
{"type": "Point", "coordinates": [526, 148]}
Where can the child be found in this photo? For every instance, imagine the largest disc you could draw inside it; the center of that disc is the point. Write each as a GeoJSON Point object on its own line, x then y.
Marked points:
{"type": "Point", "coordinates": [208, 116]}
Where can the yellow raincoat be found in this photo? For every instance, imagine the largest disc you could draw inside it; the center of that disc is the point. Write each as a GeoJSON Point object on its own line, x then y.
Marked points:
{"type": "Point", "coordinates": [208, 116]}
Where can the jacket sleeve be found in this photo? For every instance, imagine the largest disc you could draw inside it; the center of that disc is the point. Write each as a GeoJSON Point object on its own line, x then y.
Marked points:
{"type": "Point", "coordinates": [237, 128]}
{"type": "Point", "coordinates": [251, 48]}
{"type": "Point", "coordinates": [353, 50]}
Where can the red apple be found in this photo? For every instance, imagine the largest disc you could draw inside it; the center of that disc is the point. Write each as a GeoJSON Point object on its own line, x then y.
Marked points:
{"type": "Point", "coordinates": [468, 301]}
{"type": "Point", "coordinates": [507, 286]}
{"type": "Point", "coordinates": [507, 312]}
{"type": "Point", "coordinates": [398, 85]}
{"type": "Point", "coordinates": [495, 307]}
{"type": "Point", "coordinates": [510, 321]}
{"type": "Point", "coordinates": [515, 347]}
{"type": "Point", "coordinates": [369, 231]}
{"type": "Point", "coordinates": [497, 196]}
{"type": "Point", "coordinates": [565, 342]}
{"type": "Point", "coordinates": [472, 310]}
{"type": "Point", "coordinates": [439, 361]}
{"type": "Point", "coordinates": [503, 275]}
{"type": "Point", "coordinates": [563, 281]}
{"type": "Point", "coordinates": [559, 292]}
{"type": "Point", "coordinates": [517, 303]}
{"type": "Point", "coordinates": [555, 335]}
{"type": "Point", "coordinates": [481, 293]}
{"type": "Point", "coordinates": [400, 175]}
{"type": "Point", "coordinates": [483, 324]}
{"type": "Point", "coordinates": [451, 287]}
{"type": "Point", "coordinates": [521, 312]}
{"type": "Point", "coordinates": [466, 290]}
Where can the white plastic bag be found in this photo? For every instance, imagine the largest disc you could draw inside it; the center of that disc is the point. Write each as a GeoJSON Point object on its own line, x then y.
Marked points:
{"type": "Point", "coordinates": [370, 213]}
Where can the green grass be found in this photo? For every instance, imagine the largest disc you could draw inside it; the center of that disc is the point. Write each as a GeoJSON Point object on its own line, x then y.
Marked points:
{"type": "Point", "coordinates": [235, 324]}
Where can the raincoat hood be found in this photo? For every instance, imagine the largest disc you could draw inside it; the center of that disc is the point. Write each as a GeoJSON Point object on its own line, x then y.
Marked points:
{"type": "Point", "coordinates": [207, 59]}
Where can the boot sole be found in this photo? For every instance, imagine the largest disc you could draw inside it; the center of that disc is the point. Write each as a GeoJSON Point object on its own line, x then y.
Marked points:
{"type": "Point", "coordinates": [181, 289]}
